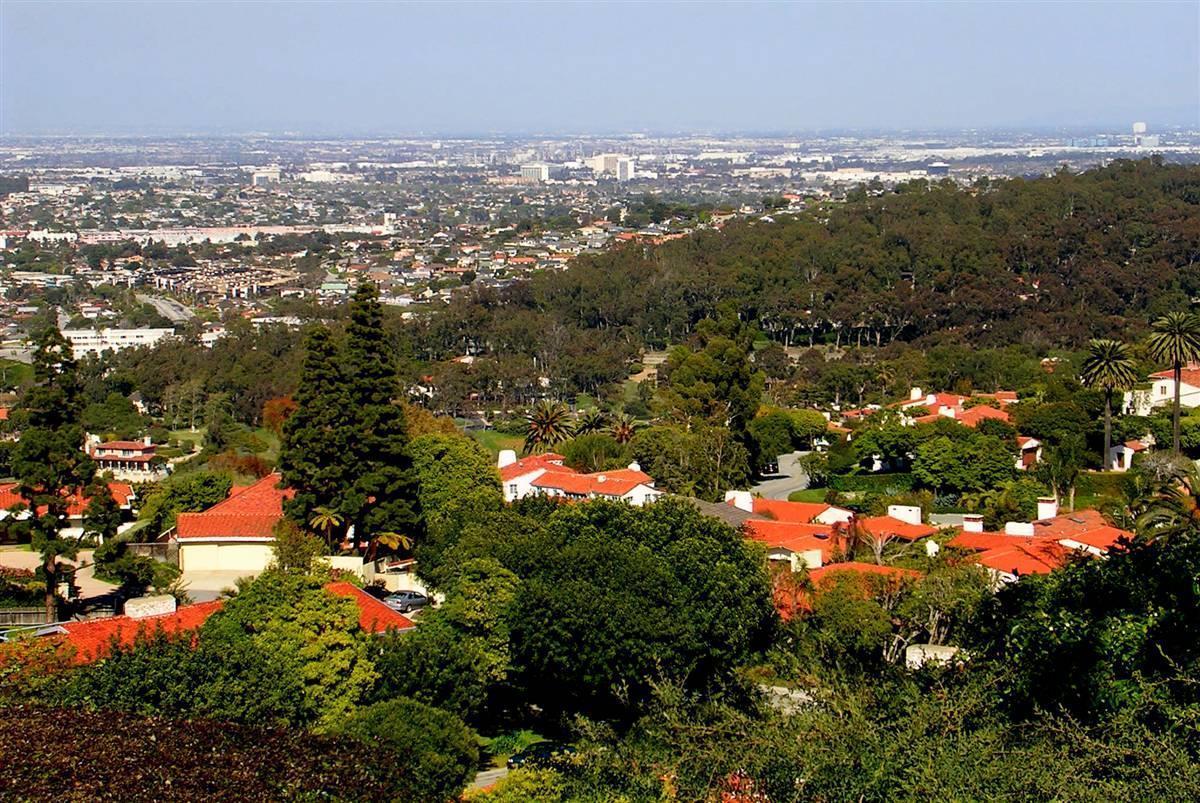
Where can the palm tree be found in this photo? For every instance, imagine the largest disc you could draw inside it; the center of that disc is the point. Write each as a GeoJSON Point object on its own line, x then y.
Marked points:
{"type": "Point", "coordinates": [1175, 339]}
{"type": "Point", "coordinates": [1110, 368]}
{"type": "Point", "coordinates": [623, 429]}
{"type": "Point", "coordinates": [325, 520]}
{"type": "Point", "coordinates": [549, 424]}
{"type": "Point", "coordinates": [592, 420]}
{"type": "Point", "coordinates": [393, 541]}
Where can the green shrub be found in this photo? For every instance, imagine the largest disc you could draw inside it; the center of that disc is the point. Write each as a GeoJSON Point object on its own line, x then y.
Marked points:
{"type": "Point", "coordinates": [439, 753]}
{"type": "Point", "coordinates": [886, 484]}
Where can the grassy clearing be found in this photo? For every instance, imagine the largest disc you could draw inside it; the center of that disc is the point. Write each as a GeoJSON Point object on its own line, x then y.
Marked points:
{"type": "Point", "coordinates": [808, 495]}
{"type": "Point", "coordinates": [495, 442]}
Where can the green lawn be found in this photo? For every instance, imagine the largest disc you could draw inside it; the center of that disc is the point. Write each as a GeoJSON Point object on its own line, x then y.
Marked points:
{"type": "Point", "coordinates": [13, 373]}
{"type": "Point", "coordinates": [808, 495]}
{"type": "Point", "coordinates": [494, 441]}
{"type": "Point", "coordinates": [187, 436]}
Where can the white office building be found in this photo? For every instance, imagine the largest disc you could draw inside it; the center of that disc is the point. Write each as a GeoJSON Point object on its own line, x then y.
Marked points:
{"type": "Point", "coordinates": [97, 341]}
{"type": "Point", "coordinates": [535, 173]}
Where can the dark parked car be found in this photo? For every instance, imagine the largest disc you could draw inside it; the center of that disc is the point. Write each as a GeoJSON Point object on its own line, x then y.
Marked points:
{"type": "Point", "coordinates": [406, 601]}
{"type": "Point", "coordinates": [542, 754]}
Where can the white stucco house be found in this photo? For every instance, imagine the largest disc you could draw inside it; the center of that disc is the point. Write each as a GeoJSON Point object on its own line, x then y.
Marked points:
{"type": "Point", "coordinates": [1161, 391]}
{"type": "Point", "coordinates": [546, 475]}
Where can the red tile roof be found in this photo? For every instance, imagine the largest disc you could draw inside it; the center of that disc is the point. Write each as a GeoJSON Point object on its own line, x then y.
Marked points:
{"type": "Point", "coordinates": [601, 483]}
{"type": "Point", "coordinates": [822, 575]}
{"type": "Point", "coordinates": [373, 615]}
{"type": "Point", "coordinates": [793, 536]}
{"type": "Point", "coordinates": [797, 512]}
{"type": "Point", "coordinates": [972, 416]}
{"type": "Point", "coordinates": [249, 512]}
{"type": "Point", "coordinates": [122, 492]}
{"type": "Point", "coordinates": [1188, 376]}
{"type": "Point", "coordinates": [881, 526]}
{"type": "Point", "coordinates": [130, 445]}
{"type": "Point", "coordinates": [1053, 541]}
{"type": "Point", "coordinates": [93, 639]}
{"type": "Point", "coordinates": [549, 461]}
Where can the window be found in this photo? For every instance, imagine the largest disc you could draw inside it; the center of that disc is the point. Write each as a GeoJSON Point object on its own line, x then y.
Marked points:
{"type": "Point", "coordinates": [512, 489]}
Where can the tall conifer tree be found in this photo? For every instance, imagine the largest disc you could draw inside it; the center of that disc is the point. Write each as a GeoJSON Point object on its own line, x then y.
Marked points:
{"type": "Point", "coordinates": [49, 462]}
{"type": "Point", "coordinates": [316, 458]}
{"type": "Point", "coordinates": [385, 483]}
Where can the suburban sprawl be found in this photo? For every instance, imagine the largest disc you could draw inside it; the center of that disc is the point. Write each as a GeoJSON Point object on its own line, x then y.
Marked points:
{"type": "Point", "coordinates": [845, 466]}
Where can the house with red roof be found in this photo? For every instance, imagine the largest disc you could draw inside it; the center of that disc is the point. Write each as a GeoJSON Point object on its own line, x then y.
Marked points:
{"type": "Point", "coordinates": [93, 639]}
{"type": "Point", "coordinates": [547, 475]}
{"type": "Point", "coordinates": [1040, 546]}
{"type": "Point", "coordinates": [1120, 456]}
{"type": "Point", "coordinates": [12, 504]}
{"type": "Point", "coordinates": [781, 510]}
{"type": "Point", "coordinates": [791, 600]}
{"type": "Point", "coordinates": [135, 461]}
{"type": "Point", "coordinates": [1161, 391]}
{"type": "Point", "coordinates": [234, 535]}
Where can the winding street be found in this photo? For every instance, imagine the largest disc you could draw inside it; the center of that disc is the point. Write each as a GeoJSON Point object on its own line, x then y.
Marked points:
{"type": "Point", "coordinates": [791, 478]}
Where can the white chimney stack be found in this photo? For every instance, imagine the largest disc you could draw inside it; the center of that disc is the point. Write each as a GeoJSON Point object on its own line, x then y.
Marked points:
{"type": "Point", "coordinates": [741, 500]}
{"type": "Point", "coordinates": [507, 458]}
{"type": "Point", "coordinates": [915, 394]}
{"type": "Point", "coordinates": [157, 605]}
{"type": "Point", "coordinates": [973, 523]}
{"type": "Point", "coordinates": [1023, 528]}
{"type": "Point", "coordinates": [909, 514]}
{"type": "Point", "coordinates": [1047, 507]}
{"type": "Point", "coordinates": [635, 466]}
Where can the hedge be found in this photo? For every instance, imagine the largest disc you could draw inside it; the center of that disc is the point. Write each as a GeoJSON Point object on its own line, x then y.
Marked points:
{"type": "Point", "coordinates": [886, 484]}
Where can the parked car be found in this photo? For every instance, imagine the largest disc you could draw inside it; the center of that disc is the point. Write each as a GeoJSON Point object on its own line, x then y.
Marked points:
{"type": "Point", "coordinates": [406, 601]}
{"type": "Point", "coordinates": [542, 754]}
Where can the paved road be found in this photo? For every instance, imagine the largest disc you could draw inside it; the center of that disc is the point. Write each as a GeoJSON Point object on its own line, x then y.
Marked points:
{"type": "Point", "coordinates": [486, 778]}
{"type": "Point", "coordinates": [89, 587]}
{"type": "Point", "coordinates": [791, 478]}
{"type": "Point", "coordinates": [169, 308]}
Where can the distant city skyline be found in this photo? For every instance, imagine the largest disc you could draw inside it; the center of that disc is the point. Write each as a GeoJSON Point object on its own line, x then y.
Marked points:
{"type": "Point", "coordinates": [363, 69]}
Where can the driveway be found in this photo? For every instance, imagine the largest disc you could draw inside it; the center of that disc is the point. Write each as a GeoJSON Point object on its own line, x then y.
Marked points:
{"type": "Point", "coordinates": [206, 586]}
{"type": "Point", "coordinates": [89, 586]}
{"type": "Point", "coordinates": [791, 478]}
{"type": "Point", "coordinates": [486, 778]}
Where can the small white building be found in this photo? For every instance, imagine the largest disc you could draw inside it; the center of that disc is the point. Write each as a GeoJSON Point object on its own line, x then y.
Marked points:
{"type": "Point", "coordinates": [1120, 456]}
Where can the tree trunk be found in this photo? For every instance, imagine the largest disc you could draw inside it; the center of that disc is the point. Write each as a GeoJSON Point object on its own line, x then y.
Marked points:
{"type": "Point", "coordinates": [1106, 461]}
{"type": "Point", "coordinates": [50, 567]}
{"type": "Point", "coordinates": [1175, 416]}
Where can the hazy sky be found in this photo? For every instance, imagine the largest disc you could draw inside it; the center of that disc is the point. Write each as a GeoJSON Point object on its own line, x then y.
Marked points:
{"type": "Point", "coordinates": [463, 68]}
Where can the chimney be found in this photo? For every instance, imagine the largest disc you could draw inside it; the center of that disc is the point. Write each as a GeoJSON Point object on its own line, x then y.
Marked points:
{"type": "Point", "coordinates": [1023, 528]}
{"type": "Point", "coordinates": [909, 514]}
{"type": "Point", "coordinates": [635, 466]}
{"type": "Point", "coordinates": [915, 394]}
{"type": "Point", "coordinates": [507, 458]}
{"type": "Point", "coordinates": [741, 500]}
{"type": "Point", "coordinates": [146, 440]}
{"type": "Point", "coordinates": [1047, 507]}
{"type": "Point", "coordinates": [973, 523]}
{"type": "Point", "coordinates": [141, 607]}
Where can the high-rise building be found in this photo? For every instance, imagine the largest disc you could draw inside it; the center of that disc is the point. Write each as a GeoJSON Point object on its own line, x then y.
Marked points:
{"type": "Point", "coordinates": [535, 173]}
{"type": "Point", "coordinates": [605, 163]}
{"type": "Point", "coordinates": [265, 176]}
{"type": "Point", "coordinates": [1139, 131]}
{"type": "Point", "coordinates": [626, 169]}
